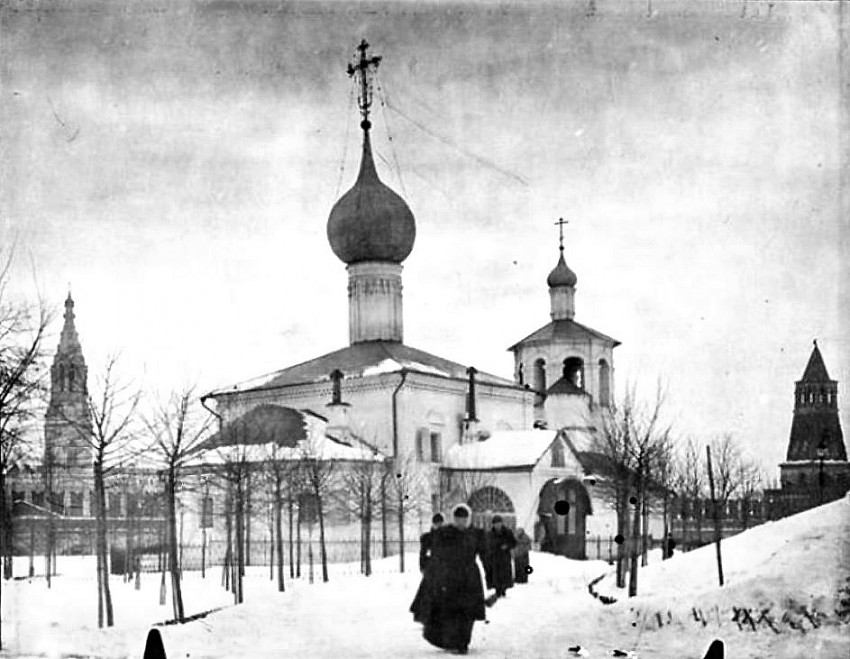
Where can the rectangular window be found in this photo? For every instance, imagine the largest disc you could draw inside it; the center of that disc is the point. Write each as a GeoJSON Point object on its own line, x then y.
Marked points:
{"type": "Point", "coordinates": [436, 453]}
{"type": "Point", "coordinates": [75, 508]}
{"type": "Point", "coordinates": [420, 445]}
{"type": "Point", "coordinates": [113, 505]}
{"type": "Point", "coordinates": [38, 499]}
{"type": "Point", "coordinates": [206, 513]}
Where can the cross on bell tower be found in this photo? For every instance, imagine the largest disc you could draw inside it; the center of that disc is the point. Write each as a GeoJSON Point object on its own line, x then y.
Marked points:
{"type": "Point", "coordinates": [560, 224]}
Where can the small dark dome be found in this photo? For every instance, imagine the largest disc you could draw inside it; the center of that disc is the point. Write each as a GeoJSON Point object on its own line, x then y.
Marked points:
{"type": "Point", "coordinates": [370, 222]}
{"type": "Point", "coordinates": [561, 275]}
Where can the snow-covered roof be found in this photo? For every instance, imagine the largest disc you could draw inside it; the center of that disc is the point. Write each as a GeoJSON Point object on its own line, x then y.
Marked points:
{"type": "Point", "coordinates": [364, 360]}
{"type": "Point", "coordinates": [504, 448]}
{"type": "Point", "coordinates": [315, 442]}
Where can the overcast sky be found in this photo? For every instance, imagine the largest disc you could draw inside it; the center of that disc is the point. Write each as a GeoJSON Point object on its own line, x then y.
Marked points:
{"type": "Point", "coordinates": [176, 165]}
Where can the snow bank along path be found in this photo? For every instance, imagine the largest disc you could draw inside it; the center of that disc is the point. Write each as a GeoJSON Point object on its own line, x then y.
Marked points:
{"type": "Point", "coordinates": [800, 560]}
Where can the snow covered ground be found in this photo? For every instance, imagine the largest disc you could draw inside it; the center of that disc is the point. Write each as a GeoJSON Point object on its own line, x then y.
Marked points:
{"type": "Point", "coordinates": [784, 565]}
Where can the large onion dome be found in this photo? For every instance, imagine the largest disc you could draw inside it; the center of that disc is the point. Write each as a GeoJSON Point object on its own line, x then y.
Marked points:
{"type": "Point", "coordinates": [370, 222]}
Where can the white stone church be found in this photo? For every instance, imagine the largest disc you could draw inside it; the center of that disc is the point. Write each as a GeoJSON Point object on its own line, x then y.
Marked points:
{"type": "Point", "coordinates": [512, 447]}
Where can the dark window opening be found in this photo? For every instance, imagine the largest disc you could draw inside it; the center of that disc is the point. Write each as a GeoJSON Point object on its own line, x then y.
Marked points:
{"type": "Point", "coordinates": [436, 454]}
{"type": "Point", "coordinates": [206, 513]}
{"type": "Point", "coordinates": [604, 383]}
{"type": "Point", "coordinates": [75, 508]}
{"type": "Point", "coordinates": [557, 454]}
{"type": "Point", "coordinates": [574, 371]}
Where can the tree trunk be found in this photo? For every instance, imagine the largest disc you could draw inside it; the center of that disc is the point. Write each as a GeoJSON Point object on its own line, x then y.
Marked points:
{"type": "Point", "coordinates": [322, 547]}
{"type": "Point", "coordinates": [622, 531]}
{"type": "Point", "coordinates": [644, 536]}
{"type": "Point", "coordinates": [203, 548]}
{"type": "Point", "coordinates": [633, 558]}
{"type": "Point", "coordinates": [665, 540]}
{"type": "Point", "coordinates": [101, 541]}
{"type": "Point", "coordinates": [32, 551]}
{"type": "Point", "coordinates": [240, 540]}
{"type": "Point", "coordinates": [7, 532]}
{"type": "Point", "coordinates": [385, 547]}
{"type": "Point", "coordinates": [99, 590]}
{"type": "Point", "coordinates": [298, 543]}
{"type": "Point", "coordinates": [716, 517]}
{"type": "Point", "coordinates": [176, 590]}
{"type": "Point", "coordinates": [401, 533]}
{"type": "Point", "coordinates": [228, 552]}
{"type": "Point", "coordinates": [289, 504]}
{"type": "Point", "coordinates": [247, 521]}
{"type": "Point", "coordinates": [278, 509]}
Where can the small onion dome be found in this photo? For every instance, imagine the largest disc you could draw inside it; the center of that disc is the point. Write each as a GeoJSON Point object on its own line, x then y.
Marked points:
{"type": "Point", "coordinates": [370, 222]}
{"type": "Point", "coordinates": [561, 275]}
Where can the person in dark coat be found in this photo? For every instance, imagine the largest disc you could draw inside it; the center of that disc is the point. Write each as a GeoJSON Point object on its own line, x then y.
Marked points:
{"type": "Point", "coordinates": [425, 541]}
{"type": "Point", "coordinates": [451, 597]}
{"type": "Point", "coordinates": [523, 545]}
{"type": "Point", "coordinates": [500, 542]}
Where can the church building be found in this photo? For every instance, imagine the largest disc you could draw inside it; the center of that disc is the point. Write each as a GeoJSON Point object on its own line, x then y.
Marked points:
{"type": "Point", "coordinates": [470, 433]}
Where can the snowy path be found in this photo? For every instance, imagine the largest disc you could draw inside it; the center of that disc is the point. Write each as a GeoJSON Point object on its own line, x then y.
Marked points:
{"type": "Point", "coordinates": [783, 564]}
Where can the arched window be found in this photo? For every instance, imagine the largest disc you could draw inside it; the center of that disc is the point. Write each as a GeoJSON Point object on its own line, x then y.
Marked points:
{"type": "Point", "coordinates": [604, 383]}
{"type": "Point", "coordinates": [574, 371]}
{"type": "Point", "coordinates": [539, 381]}
{"type": "Point", "coordinates": [520, 375]}
{"type": "Point", "coordinates": [72, 376]}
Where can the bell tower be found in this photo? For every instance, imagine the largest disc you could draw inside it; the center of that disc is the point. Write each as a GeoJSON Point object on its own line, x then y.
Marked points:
{"type": "Point", "coordinates": [67, 420]}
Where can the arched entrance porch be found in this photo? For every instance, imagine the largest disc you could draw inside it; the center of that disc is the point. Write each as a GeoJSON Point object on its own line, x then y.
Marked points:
{"type": "Point", "coordinates": [559, 533]}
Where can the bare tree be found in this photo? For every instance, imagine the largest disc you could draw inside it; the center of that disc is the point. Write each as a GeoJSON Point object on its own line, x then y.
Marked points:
{"type": "Point", "coordinates": [23, 327]}
{"type": "Point", "coordinates": [360, 494]}
{"type": "Point", "coordinates": [234, 468]}
{"type": "Point", "coordinates": [691, 474]}
{"type": "Point", "coordinates": [726, 462]}
{"type": "Point", "coordinates": [613, 444]}
{"type": "Point", "coordinates": [634, 442]}
{"type": "Point", "coordinates": [282, 474]}
{"type": "Point", "coordinates": [318, 472]}
{"type": "Point", "coordinates": [407, 486]}
{"type": "Point", "coordinates": [109, 430]}
{"type": "Point", "coordinates": [667, 480]}
{"type": "Point", "coordinates": [751, 482]}
{"type": "Point", "coordinates": [177, 432]}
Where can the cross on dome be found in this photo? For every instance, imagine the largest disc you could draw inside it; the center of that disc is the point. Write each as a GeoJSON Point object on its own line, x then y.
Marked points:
{"type": "Point", "coordinates": [363, 69]}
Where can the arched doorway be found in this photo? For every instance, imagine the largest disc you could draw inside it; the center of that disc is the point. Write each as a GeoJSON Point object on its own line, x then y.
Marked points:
{"type": "Point", "coordinates": [559, 533]}
{"type": "Point", "coordinates": [488, 501]}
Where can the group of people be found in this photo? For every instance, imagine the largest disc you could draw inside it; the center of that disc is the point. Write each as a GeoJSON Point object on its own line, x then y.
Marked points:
{"type": "Point", "coordinates": [450, 597]}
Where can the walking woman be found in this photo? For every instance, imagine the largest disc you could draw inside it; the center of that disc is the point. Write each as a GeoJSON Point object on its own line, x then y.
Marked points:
{"type": "Point", "coordinates": [451, 597]}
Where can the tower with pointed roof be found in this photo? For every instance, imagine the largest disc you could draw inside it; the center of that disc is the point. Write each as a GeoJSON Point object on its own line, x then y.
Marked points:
{"type": "Point", "coordinates": [67, 415]}
{"type": "Point", "coordinates": [816, 454]}
{"type": "Point", "coordinates": [569, 366]}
